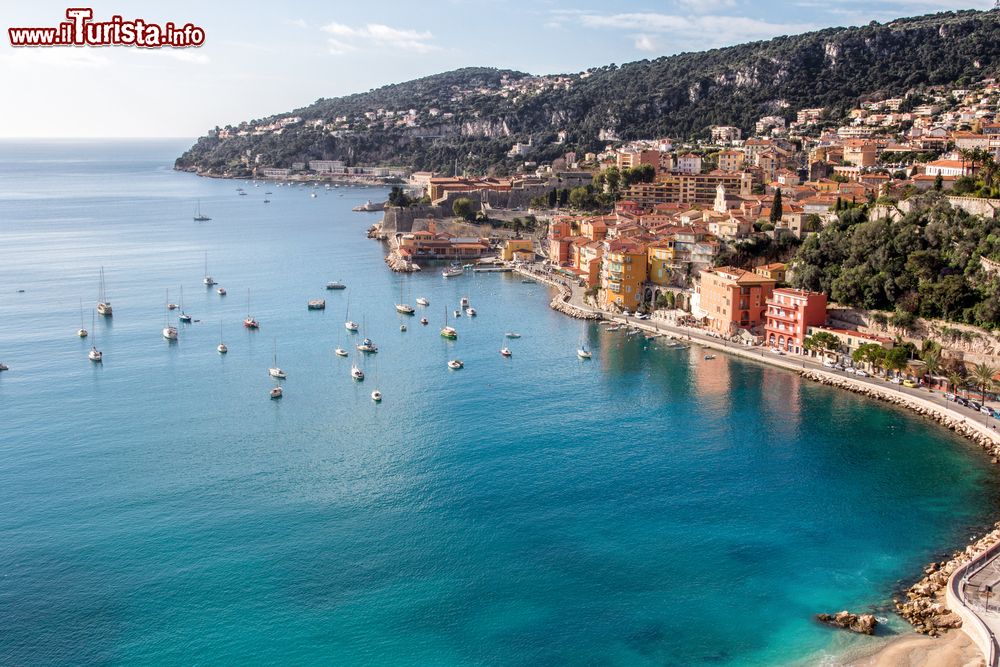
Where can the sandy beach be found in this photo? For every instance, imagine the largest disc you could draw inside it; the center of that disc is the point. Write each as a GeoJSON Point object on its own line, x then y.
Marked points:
{"type": "Point", "coordinates": [953, 649]}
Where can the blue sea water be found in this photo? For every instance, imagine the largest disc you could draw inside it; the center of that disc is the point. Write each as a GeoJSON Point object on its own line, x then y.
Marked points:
{"type": "Point", "coordinates": [647, 507]}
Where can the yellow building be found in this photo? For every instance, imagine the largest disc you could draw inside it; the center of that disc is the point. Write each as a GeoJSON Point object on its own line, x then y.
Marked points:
{"type": "Point", "coordinates": [513, 247]}
{"type": "Point", "coordinates": [623, 273]}
{"type": "Point", "coordinates": [661, 257]}
{"type": "Point", "coordinates": [776, 271]}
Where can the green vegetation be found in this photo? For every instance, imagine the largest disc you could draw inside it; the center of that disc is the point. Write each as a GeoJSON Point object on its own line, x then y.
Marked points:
{"type": "Point", "coordinates": [926, 264]}
{"type": "Point", "coordinates": [464, 208]}
{"type": "Point", "coordinates": [678, 96]}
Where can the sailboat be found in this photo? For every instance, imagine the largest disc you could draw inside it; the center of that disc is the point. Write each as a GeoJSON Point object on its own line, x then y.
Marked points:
{"type": "Point", "coordinates": [367, 345]}
{"type": "Point", "coordinates": [103, 305]}
{"type": "Point", "coordinates": [447, 331]}
{"type": "Point", "coordinates": [208, 281]}
{"type": "Point", "coordinates": [356, 371]}
{"type": "Point", "coordinates": [422, 301]}
{"type": "Point", "coordinates": [94, 354]}
{"type": "Point", "coordinates": [183, 317]}
{"type": "Point", "coordinates": [276, 392]}
{"type": "Point", "coordinates": [404, 308]}
{"type": "Point", "coordinates": [222, 345]}
{"type": "Point", "coordinates": [198, 216]}
{"type": "Point", "coordinates": [505, 351]}
{"type": "Point", "coordinates": [169, 332]}
{"type": "Point", "coordinates": [350, 324]}
{"type": "Point", "coordinates": [275, 370]}
{"type": "Point", "coordinates": [81, 332]}
{"type": "Point", "coordinates": [250, 322]}
{"type": "Point", "coordinates": [583, 352]}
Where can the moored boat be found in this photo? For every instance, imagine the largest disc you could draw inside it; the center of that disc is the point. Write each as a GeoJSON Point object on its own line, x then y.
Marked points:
{"type": "Point", "coordinates": [455, 364]}
{"type": "Point", "coordinates": [221, 291]}
{"type": "Point", "coordinates": [336, 284]}
{"type": "Point", "coordinates": [276, 392]}
{"type": "Point", "coordinates": [583, 352]}
{"type": "Point", "coordinates": [421, 301]}
{"type": "Point", "coordinates": [505, 352]}
{"type": "Point", "coordinates": [103, 305]}
{"type": "Point", "coordinates": [316, 304]}
{"type": "Point", "coordinates": [512, 334]}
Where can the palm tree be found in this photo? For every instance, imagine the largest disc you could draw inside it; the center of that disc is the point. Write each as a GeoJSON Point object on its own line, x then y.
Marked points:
{"type": "Point", "coordinates": [955, 381]}
{"type": "Point", "coordinates": [932, 362]}
{"type": "Point", "coordinates": [982, 376]}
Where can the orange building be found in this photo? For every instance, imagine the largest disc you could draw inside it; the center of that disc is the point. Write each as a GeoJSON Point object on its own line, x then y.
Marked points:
{"type": "Point", "coordinates": [734, 298]}
{"type": "Point", "coordinates": [790, 313]}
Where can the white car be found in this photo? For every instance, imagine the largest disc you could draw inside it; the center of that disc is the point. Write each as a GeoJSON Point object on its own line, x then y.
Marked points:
{"type": "Point", "coordinates": [860, 373]}
{"type": "Point", "coordinates": [896, 380]}
{"type": "Point", "coordinates": [829, 364]}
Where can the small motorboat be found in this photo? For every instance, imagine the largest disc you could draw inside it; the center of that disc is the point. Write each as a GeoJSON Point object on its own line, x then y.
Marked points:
{"type": "Point", "coordinates": [171, 306]}
{"type": "Point", "coordinates": [583, 352]}
{"type": "Point", "coordinates": [251, 323]}
{"type": "Point", "coordinates": [505, 352]}
{"type": "Point", "coordinates": [529, 281]}
{"type": "Point", "coordinates": [709, 357]}
{"type": "Point", "coordinates": [4, 367]}
{"type": "Point", "coordinates": [402, 327]}
{"type": "Point", "coordinates": [357, 373]}
{"type": "Point", "coordinates": [424, 321]}
{"type": "Point", "coordinates": [350, 325]}
{"type": "Point", "coordinates": [276, 372]}
{"type": "Point", "coordinates": [316, 304]}
{"type": "Point", "coordinates": [208, 281]}
{"type": "Point", "coordinates": [449, 332]}
{"type": "Point", "coordinates": [276, 392]}
{"type": "Point", "coordinates": [470, 311]}
{"type": "Point", "coordinates": [312, 194]}
{"type": "Point", "coordinates": [340, 352]}
{"type": "Point", "coordinates": [464, 303]}
{"type": "Point", "coordinates": [457, 313]}
{"type": "Point", "coordinates": [377, 396]}
{"type": "Point", "coordinates": [367, 346]}
{"type": "Point", "coordinates": [336, 284]}
{"type": "Point", "coordinates": [512, 334]}
{"type": "Point", "coordinates": [421, 301]}
{"type": "Point", "coordinates": [455, 364]}
{"type": "Point", "coordinates": [95, 355]}
{"type": "Point", "coordinates": [221, 291]}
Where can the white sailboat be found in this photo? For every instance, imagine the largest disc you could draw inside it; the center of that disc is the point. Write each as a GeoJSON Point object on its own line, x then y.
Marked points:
{"type": "Point", "coordinates": [356, 371]}
{"type": "Point", "coordinates": [456, 364]}
{"type": "Point", "coordinates": [505, 351]}
{"type": "Point", "coordinates": [208, 280]}
{"type": "Point", "coordinates": [376, 395]}
{"type": "Point", "coordinates": [276, 392]}
{"type": "Point", "coordinates": [169, 332]}
{"type": "Point", "coordinates": [583, 352]}
{"type": "Point", "coordinates": [103, 305]}
{"type": "Point", "coordinates": [275, 370]}
{"type": "Point", "coordinates": [401, 307]}
{"type": "Point", "coordinates": [422, 301]}
{"type": "Point", "coordinates": [350, 324]}
{"type": "Point", "coordinates": [95, 355]}
{"type": "Point", "coordinates": [81, 332]}
{"type": "Point", "coordinates": [222, 344]}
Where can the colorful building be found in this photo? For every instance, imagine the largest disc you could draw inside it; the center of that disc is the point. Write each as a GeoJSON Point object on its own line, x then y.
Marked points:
{"type": "Point", "coordinates": [623, 273]}
{"type": "Point", "coordinates": [790, 314]}
{"type": "Point", "coordinates": [511, 247]}
{"type": "Point", "coordinates": [734, 299]}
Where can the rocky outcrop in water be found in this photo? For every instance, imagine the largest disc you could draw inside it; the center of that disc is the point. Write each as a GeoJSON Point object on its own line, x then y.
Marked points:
{"type": "Point", "coordinates": [861, 623]}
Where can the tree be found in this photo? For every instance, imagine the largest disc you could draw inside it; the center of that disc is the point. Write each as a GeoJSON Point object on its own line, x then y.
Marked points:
{"type": "Point", "coordinates": [982, 376]}
{"type": "Point", "coordinates": [464, 208]}
{"type": "Point", "coordinates": [776, 207]}
{"type": "Point", "coordinates": [955, 382]}
{"type": "Point", "coordinates": [398, 198]}
{"type": "Point", "coordinates": [939, 182]}
{"type": "Point", "coordinates": [822, 341]}
{"type": "Point", "coordinates": [553, 198]}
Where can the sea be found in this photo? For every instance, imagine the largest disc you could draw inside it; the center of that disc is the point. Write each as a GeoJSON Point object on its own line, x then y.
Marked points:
{"type": "Point", "coordinates": [643, 507]}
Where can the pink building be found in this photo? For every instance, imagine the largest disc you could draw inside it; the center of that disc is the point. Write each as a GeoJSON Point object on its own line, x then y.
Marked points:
{"type": "Point", "coordinates": [790, 313]}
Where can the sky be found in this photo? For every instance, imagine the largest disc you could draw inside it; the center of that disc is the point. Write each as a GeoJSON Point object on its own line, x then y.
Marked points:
{"type": "Point", "coordinates": [263, 58]}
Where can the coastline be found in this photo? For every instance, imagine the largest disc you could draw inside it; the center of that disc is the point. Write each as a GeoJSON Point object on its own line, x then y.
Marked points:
{"type": "Point", "coordinates": [939, 638]}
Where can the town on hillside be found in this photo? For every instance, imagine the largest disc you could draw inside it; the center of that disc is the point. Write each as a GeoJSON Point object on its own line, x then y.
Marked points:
{"type": "Point", "coordinates": [705, 233]}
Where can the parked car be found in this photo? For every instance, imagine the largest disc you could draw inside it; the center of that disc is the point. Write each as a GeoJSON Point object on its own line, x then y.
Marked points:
{"type": "Point", "coordinates": [839, 367]}
{"type": "Point", "coordinates": [950, 396]}
{"type": "Point", "coordinates": [895, 380]}
{"type": "Point", "coordinates": [775, 350]}
{"type": "Point", "coordinates": [961, 401]}
{"type": "Point", "coordinates": [909, 383]}
{"type": "Point", "coordinates": [986, 411]}
{"type": "Point", "coordinates": [861, 373]}
{"type": "Point", "coordinates": [996, 413]}
{"type": "Point", "coordinates": [975, 405]}
{"type": "Point", "coordinates": [829, 364]}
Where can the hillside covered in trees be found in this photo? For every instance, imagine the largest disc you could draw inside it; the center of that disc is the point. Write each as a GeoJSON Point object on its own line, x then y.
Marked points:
{"type": "Point", "coordinates": [928, 263]}
{"type": "Point", "coordinates": [474, 115]}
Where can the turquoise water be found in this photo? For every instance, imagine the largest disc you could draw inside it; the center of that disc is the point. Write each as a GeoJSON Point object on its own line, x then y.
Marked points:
{"type": "Point", "coordinates": [645, 508]}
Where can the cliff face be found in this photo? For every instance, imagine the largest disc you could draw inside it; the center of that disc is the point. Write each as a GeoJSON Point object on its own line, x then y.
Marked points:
{"type": "Point", "coordinates": [475, 114]}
